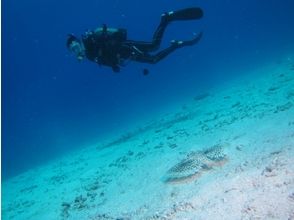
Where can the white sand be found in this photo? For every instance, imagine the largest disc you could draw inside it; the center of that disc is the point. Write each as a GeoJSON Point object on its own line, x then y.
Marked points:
{"type": "Point", "coordinates": [253, 117]}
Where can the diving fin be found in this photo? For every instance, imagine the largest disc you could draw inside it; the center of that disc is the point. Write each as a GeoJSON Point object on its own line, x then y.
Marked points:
{"type": "Point", "coordinates": [195, 40]}
{"type": "Point", "coordinates": [185, 14]}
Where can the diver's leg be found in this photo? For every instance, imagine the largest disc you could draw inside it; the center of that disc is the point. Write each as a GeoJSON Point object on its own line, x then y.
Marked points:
{"type": "Point", "coordinates": [146, 58]}
{"type": "Point", "coordinates": [140, 45]}
{"type": "Point", "coordinates": [166, 18]}
{"type": "Point", "coordinates": [162, 54]}
{"type": "Point", "coordinates": [156, 40]}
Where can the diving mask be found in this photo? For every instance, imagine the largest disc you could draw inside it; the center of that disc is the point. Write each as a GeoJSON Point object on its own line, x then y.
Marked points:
{"type": "Point", "coordinates": [78, 49]}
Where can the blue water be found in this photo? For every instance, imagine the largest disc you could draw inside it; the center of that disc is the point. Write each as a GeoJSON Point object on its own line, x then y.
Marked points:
{"type": "Point", "coordinates": [53, 104]}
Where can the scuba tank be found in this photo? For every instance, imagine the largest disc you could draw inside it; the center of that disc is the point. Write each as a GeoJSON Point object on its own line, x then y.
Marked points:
{"type": "Point", "coordinates": [103, 45]}
{"type": "Point", "coordinates": [117, 34]}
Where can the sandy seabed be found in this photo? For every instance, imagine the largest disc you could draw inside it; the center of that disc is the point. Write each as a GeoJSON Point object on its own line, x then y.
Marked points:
{"type": "Point", "coordinates": [251, 118]}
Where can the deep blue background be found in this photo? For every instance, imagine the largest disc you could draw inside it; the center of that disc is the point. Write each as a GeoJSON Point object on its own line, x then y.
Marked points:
{"type": "Point", "coordinates": [52, 103]}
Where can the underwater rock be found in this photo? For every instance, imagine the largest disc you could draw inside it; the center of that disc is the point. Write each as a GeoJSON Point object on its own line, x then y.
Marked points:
{"type": "Point", "coordinates": [140, 155]}
{"type": "Point", "coordinates": [201, 96]}
{"type": "Point", "coordinates": [130, 153]}
{"type": "Point", "coordinates": [120, 162]}
{"type": "Point", "coordinates": [281, 108]}
{"type": "Point", "coordinates": [80, 203]}
{"type": "Point", "coordinates": [104, 217]}
{"type": "Point", "coordinates": [291, 196]}
{"type": "Point", "coordinates": [290, 94]}
{"type": "Point", "coordinates": [195, 164]}
{"type": "Point", "coordinates": [28, 189]}
{"type": "Point", "coordinates": [172, 145]}
{"type": "Point", "coordinates": [273, 88]}
{"type": "Point", "coordinates": [58, 179]}
{"type": "Point", "coordinates": [236, 104]}
{"type": "Point", "coordinates": [65, 210]}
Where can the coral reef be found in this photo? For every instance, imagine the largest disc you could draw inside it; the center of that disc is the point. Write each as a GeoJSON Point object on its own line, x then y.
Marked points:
{"type": "Point", "coordinates": [201, 96]}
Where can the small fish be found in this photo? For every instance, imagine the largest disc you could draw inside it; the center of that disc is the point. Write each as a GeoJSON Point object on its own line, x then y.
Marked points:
{"type": "Point", "coordinates": [145, 72]}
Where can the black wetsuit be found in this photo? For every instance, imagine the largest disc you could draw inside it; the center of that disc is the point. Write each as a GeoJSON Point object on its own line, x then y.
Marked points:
{"type": "Point", "coordinates": [112, 49]}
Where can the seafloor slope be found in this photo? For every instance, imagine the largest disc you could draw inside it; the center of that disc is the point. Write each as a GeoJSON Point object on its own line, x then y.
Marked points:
{"type": "Point", "coordinates": [227, 154]}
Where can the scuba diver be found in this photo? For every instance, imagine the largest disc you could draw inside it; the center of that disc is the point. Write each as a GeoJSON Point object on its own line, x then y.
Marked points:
{"type": "Point", "coordinates": [110, 47]}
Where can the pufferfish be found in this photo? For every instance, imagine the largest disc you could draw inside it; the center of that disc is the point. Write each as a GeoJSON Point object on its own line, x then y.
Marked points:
{"type": "Point", "coordinates": [196, 163]}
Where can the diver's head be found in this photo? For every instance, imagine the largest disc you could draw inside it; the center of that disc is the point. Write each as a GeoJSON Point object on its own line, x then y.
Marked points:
{"type": "Point", "coordinates": [76, 47]}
